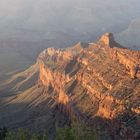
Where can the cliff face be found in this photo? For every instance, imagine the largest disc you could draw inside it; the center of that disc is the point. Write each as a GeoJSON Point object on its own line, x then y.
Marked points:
{"type": "Point", "coordinates": [99, 79]}
{"type": "Point", "coordinates": [98, 83]}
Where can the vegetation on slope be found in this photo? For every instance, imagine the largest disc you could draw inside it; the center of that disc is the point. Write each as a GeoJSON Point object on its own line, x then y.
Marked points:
{"type": "Point", "coordinates": [73, 132]}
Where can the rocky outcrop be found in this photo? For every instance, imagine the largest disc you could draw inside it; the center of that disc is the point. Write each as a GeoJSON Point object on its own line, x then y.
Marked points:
{"type": "Point", "coordinates": [106, 73]}
{"type": "Point", "coordinates": [129, 58]}
{"type": "Point", "coordinates": [54, 62]}
{"type": "Point", "coordinates": [107, 40]}
{"type": "Point", "coordinates": [97, 83]}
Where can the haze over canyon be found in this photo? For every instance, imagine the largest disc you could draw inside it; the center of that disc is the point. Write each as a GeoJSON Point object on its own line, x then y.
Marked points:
{"type": "Point", "coordinates": [67, 61]}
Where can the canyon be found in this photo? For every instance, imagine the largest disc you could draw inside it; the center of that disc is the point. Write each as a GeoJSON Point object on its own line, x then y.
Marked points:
{"type": "Point", "coordinates": [98, 83]}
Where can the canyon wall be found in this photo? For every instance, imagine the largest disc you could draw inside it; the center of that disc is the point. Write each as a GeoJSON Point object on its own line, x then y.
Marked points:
{"type": "Point", "coordinates": [104, 72]}
{"type": "Point", "coordinates": [129, 58]}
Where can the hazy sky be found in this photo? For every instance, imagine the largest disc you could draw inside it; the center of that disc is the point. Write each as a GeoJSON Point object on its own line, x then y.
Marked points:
{"type": "Point", "coordinates": [41, 19]}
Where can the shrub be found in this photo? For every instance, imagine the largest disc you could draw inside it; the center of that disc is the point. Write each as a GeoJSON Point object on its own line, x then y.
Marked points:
{"type": "Point", "coordinates": [73, 132]}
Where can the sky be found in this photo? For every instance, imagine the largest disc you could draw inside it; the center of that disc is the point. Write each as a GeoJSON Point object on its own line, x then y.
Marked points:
{"type": "Point", "coordinates": [48, 19]}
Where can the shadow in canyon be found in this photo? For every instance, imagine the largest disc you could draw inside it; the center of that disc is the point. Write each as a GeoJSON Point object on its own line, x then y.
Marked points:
{"type": "Point", "coordinates": [47, 114]}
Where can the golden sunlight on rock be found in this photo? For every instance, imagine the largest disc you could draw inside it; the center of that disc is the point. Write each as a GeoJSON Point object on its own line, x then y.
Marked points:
{"type": "Point", "coordinates": [96, 83]}
{"type": "Point", "coordinates": [63, 98]}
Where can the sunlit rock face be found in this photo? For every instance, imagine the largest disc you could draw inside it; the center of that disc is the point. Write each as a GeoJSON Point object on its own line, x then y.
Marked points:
{"type": "Point", "coordinates": [129, 58]}
{"type": "Point", "coordinates": [107, 64]}
{"type": "Point", "coordinates": [100, 79]}
{"type": "Point", "coordinates": [95, 83]}
{"type": "Point", "coordinates": [107, 39]}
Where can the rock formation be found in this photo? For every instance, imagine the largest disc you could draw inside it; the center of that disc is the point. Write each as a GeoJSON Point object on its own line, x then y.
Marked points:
{"type": "Point", "coordinates": [105, 70]}
{"type": "Point", "coordinates": [98, 82]}
{"type": "Point", "coordinates": [130, 59]}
